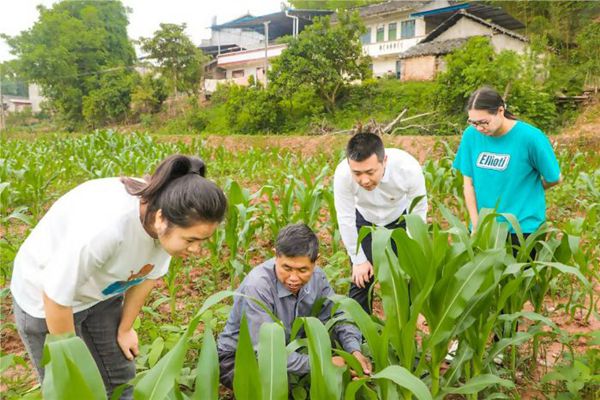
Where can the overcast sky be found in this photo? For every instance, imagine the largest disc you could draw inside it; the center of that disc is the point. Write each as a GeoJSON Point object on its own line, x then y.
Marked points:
{"type": "Point", "coordinates": [146, 15]}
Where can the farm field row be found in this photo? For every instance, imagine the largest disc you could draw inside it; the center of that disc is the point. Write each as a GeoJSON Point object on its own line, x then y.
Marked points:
{"type": "Point", "coordinates": [273, 181]}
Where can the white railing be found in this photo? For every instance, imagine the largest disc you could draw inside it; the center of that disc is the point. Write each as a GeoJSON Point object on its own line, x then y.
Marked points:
{"type": "Point", "coordinates": [390, 47]}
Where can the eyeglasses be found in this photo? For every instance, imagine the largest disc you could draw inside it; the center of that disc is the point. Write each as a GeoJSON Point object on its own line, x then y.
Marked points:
{"type": "Point", "coordinates": [481, 123]}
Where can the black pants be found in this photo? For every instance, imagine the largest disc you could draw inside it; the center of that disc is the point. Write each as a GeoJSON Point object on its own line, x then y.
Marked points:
{"type": "Point", "coordinates": [361, 295]}
{"type": "Point", "coordinates": [226, 368]}
{"type": "Point", "coordinates": [514, 240]}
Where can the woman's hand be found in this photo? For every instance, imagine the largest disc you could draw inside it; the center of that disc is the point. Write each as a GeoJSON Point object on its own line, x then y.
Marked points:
{"type": "Point", "coordinates": [128, 342]}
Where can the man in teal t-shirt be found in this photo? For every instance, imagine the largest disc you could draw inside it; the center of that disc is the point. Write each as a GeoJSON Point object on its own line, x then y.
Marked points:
{"type": "Point", "coordinates": [509, 172]}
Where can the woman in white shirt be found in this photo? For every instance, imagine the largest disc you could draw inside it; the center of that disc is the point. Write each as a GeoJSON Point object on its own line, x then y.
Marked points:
{"type": "Point", "coordinates": [90, 262]}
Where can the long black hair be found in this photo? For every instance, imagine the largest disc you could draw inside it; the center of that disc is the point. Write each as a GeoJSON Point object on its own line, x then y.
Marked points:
{"type": "Point", "coordinates": [178, 188]}
{"type": "Point", "coordinates": [488, 99]}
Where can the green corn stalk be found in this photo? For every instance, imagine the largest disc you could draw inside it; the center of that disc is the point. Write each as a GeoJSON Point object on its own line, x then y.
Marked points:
{"type": "Point", "coordinates": [281, 205]}
{"type": "Point", "coordinates": [70, 370]}
{"type": "Point", "coordinates": [272, 362]}
{"type": "Point", "coordinates": [70, 354]}
{"type": "Point", "coordinates": [207, 371]}
{"type": "Point", "coordinates": [325, 378]}
{"type": "Point", "coordinates": [246, 378]}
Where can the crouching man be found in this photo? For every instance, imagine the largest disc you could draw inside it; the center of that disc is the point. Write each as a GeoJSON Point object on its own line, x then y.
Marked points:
{"type": "Point", "coordinates": [289, 285]}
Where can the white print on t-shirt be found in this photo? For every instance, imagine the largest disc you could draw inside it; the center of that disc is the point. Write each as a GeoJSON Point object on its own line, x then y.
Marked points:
{"type": "Point", "coordinates": [497, 162]}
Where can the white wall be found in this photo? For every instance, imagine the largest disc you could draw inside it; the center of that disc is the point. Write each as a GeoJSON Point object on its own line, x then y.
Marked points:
{"type": "Point", "coordinates": [36, 98]}
{"type": "Point", "coordinates": [372, 26]}
{"type": "Point", "coordinates": [467, 28]}
{"type": "Point", "coordinates": [464, 28]}
{"type": "Point", "coordinates": [383, 66]}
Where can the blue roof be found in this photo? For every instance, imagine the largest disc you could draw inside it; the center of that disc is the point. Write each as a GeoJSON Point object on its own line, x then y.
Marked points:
{"type": "Point", "coordinates": [441, 10]}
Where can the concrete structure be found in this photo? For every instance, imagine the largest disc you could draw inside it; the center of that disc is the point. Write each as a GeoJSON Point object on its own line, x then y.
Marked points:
{"type": "Point", "coordinates": [391, 30]}
{"type": "Point", "coordinates": [31, 102]}
{"type": "Point", "coordinates": [405, 39]}
{"type": "Point", "coordinates": [424, 60]}
{"type": "Point", "coordinates": [238, 46]}
{"type": "Point", "coordinates": [237, 67]}
{"type": "Point", "coordinates": [395, 27]}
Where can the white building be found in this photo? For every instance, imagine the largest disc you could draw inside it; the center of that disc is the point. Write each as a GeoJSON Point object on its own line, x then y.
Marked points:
{"type": "Point", "coordinates": [238, 46]}
{"type": "Point", "coordinates": [424, 60]}
{"type": "Point", "coordinates": [32, 101]}
{"type": "Point", "coordinates": [394, 27]}
{"type": "Point", "coordinates": [396, 32]}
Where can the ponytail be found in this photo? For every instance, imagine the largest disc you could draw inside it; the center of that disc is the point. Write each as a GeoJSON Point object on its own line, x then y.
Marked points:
{"type": "Point", "coordinates": [488, 99]}
{"type": "Point", "coordinates": [179, 189]}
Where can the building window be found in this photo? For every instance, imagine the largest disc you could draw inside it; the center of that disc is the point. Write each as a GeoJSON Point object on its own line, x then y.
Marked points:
{"type": "Point", "coordinates": [365, 38]}
{"type": "Point", "coordinates": [380, 33]}
{"type": "Point", "coordinates": [392, 31]}
{"type": "Point", "coordinates": [407, 29]}
{"type": "Point", "coordinates": [238, 73]}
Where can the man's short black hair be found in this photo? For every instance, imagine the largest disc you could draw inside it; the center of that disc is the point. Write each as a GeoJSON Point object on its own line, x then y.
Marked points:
{"type": "Point", "coordinates": [297, 240]}
{"type": "Point", "coordinates": [363, 145]}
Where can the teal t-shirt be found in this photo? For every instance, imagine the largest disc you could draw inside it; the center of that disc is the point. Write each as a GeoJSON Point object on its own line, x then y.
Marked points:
{"type": "Point", "coordinates": [507, 171]}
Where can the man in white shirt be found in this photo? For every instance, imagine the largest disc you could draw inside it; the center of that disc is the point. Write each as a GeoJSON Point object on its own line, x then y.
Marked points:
{"type": "Point", "coordinates": [373, 186]}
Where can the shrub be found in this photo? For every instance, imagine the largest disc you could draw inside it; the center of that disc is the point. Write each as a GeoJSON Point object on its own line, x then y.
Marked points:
{"type": "Point", "coordinates": [149, 95]}
{"type": "Point", "coordinates": [109, 102]}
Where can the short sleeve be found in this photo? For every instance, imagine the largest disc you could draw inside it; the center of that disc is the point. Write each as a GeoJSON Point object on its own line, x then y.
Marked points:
{"type": "Point", "coordinates": [463, 160]}
{"type": "Point", "coordinates": [543, 158]}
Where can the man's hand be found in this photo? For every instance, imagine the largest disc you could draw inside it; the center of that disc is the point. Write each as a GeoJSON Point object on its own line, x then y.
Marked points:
{"type": "Point", "coordinates": [128, 342]}
{"type": "Point", "coordinates": [364, 362]}
{"type": "Point", "coordinates": [362, 273]}
{"type": "Point", "coordinates": [338, 361]}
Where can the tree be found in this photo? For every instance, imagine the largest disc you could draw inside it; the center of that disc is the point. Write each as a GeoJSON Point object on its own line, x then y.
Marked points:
{"type": "Point", "coordinates": [330, 4]}
{"type": "Point", "coordinates": [178, 59]}
{"type": "Point", "coordinates": [70, 47]}
{"type": "Point", "coordinates": [12, 83]}
{"type": "Point", "coordinates": [149, 94]}
{"type": "Point", "coordinates": [324, 57]}
{"type": "Point", "coordinates": [588, 54]}
{"type": "Point", "coordinates": [516, 77]}
{"type": "Point", "coordinates": [109, 102]}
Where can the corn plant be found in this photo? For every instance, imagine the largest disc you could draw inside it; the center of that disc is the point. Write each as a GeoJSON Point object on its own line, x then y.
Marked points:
{"type": "Point", "coordinates": [239, 227]}
{"type": "Point", "coordinates": [460, 286]}
{"type": "Point", "coordinates": [309, 193]}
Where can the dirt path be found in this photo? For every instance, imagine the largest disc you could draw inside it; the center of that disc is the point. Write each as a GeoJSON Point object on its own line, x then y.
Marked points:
{"type": "Point", "coordinates": [584, 133]}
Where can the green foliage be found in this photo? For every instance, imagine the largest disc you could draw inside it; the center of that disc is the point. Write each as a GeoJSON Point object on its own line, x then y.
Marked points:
{"type": "Point", "coordinates": [469, 68]}
{"type": "Point", "coordinates": [12, 83]}
{"type": "Point", "coordinates": [579, 378]}
{"type": "Point", "coordinates": [517, 77]}
{"type": "Point", "coordinates": [252, 109]}
{"type": "Point", "coordinates": [179, 60]}
{"type": "Point", "coordinates": [109, 102]}
{"type": "Point", "coordinates": [68, 50]}
{"type": "Point", "coordinates": [70, 370]}
{"type": "Point", "coordinates": [330, 4]}
{"type": "Point", "coordinates": [324, 57]}
{"type": "Point", "coordinates": [461, 283]}
{"type": "Point", "coordinates": [587, 53]}
{"type": "Point", "coordinates": [149, 94]}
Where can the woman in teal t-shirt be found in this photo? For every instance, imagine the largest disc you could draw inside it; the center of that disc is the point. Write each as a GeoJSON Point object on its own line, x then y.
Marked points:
{"type": "Point", "coordinates": [506, 163]}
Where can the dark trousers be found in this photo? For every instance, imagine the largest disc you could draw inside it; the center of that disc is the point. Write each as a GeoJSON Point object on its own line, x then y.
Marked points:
{"type": "Point", "coordinates": [226, 369]}
{"type": "Point", "coordinates": [361, 295]}
{"type": "Point", "coordinates": [514, 240]}
{"type": "Point", "coordinates": [97, 326]}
